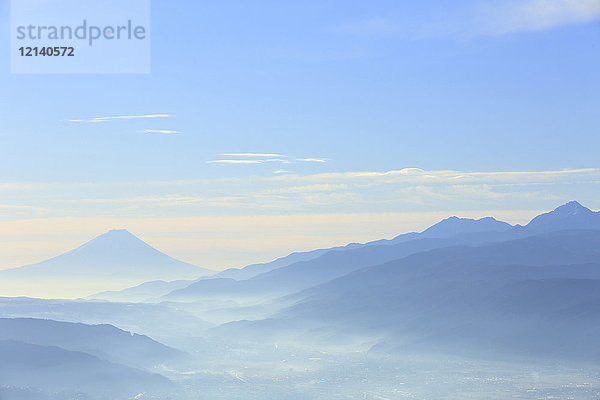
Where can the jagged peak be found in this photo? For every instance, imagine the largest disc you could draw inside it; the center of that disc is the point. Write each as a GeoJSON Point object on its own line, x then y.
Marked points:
{"type": "Point", "coordinates": [571, 208]}
{"type": "Point", "coordinates": [571, 215]}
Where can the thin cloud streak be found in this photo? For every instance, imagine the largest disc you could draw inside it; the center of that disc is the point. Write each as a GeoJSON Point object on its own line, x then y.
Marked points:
{"type": "Point", "coordinates": [319, 160]}
{"type": "Point", "coordinates": [259, 158]}
{"type": "Point", "coordinates": [19, 207]}
{"type": "Point", "coordinates": [182, 201]}
{"type": "Point", "coordinates": [406, 174]}
{"type": "Point", "coordinates": [251, 155]}
{"type": "Point", "coordinates": [323, 187]}
{"type": "Point", "coordinates": [122, 117]}
{"type": "Point", "coordinates": [234, 162]}
{"type": "Point", "coordinates": [171, 200]}
{"type": "Point", "coordinates": [417, 174]}
{"type": "Point", "coordinates": [159, 131]}
{"type": "Point", "coordinates": [279, 160]}
{"type": "Point", "coordinates": [359, 191]}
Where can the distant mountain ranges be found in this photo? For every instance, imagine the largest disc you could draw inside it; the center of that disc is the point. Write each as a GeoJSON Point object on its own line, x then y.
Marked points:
{"type": "Point", "coordinates": [159, 321]}
{"type": "Point", "coordinates": [117, 259]}
{"type": "Point", "coordinates": [320, 266]}
{"type": "Point", "coordinates": [531, 291]}
{"type": "Point", "coordinates": [479, 284]}
{"type": "Point", "coordinates": [68, 358]}
{"type": "Point", "coordinates": [537, 296]}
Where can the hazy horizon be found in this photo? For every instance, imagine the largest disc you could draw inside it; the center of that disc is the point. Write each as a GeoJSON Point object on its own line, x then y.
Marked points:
{"type": "Point", "coordinates": [406, 222]}
{"type": "Point", "coordinates": [119, 259]}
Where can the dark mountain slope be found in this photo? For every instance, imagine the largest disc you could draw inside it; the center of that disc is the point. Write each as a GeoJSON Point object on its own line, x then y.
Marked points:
{"type": "Point", "coordinates": [537, 295]}
{"type": "Point", "coordinates": [55, 369]}
{"type": "Point", "coordinates": [140, 318]}
{"type": "Point", "coordinates": [103, 341]}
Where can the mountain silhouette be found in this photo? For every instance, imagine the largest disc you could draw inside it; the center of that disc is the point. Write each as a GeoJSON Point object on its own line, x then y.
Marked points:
{"type": "Point", "coordinates": [343, 260]}
{"type": "Point", "coordinates": [54, 369]}
{"type": "Point", "coordinates": [118, 252]}
{"type": "Point", "coordinates": [455, 226]}
{"type": "Point", "coordinates": [537, 295]}
{"type": "Point", "coordinates": [568, 216]}
{"type": "Point", "coordinates": [114, 260]}
{"type": "Point", "coordinates": [104, 341]}
{"type": "Point", "coordinates": [444, 229]}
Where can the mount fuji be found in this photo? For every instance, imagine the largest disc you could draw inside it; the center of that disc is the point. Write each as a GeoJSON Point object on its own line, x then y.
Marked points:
{"type": "Point", "coordinates": [114, 260]}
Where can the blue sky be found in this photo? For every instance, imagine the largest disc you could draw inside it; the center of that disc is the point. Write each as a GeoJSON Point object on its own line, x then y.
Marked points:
{"type": "Point", "coordinates": [372, 118]}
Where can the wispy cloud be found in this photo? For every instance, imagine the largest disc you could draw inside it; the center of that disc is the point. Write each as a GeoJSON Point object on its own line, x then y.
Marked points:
{"type": "Point", "coordinates": [121, 117]}
{"type": "Point", "coordinates": [534, 15]}
{"type": "Point", "coordinates": [17, 186]}
{"type": "Point", "coordinates": [269, 160]}
{"type": "Point", "coordinates": [476, 18]}
{"type": "Point", "coordinates": [324, 187]}
{"type": "Point", "coordinates": [447, 176]}
{"type": "Point", "coordinates": [251, 155]}
{"type": "Point", "coordinates": [351, 191]}
{"type": "Point", "coordinates": [19, 207]}
{"type": "Point", "coordinates": [260, 158]}
{"type": "Point", "coordinates": [168, 200]}
{"type": "Point", "coordinates": [319, 160]}
{"type": "Point", "coordinates": [11, 211]}
{"type": "Point", "coordinates": [159, 131]}
{"type": "Point", "coordinates": [403, 176]}
{"type": "Point", "coordinates": [234, 162]}
{"type": "Point", "coordinates": [178, 201]}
